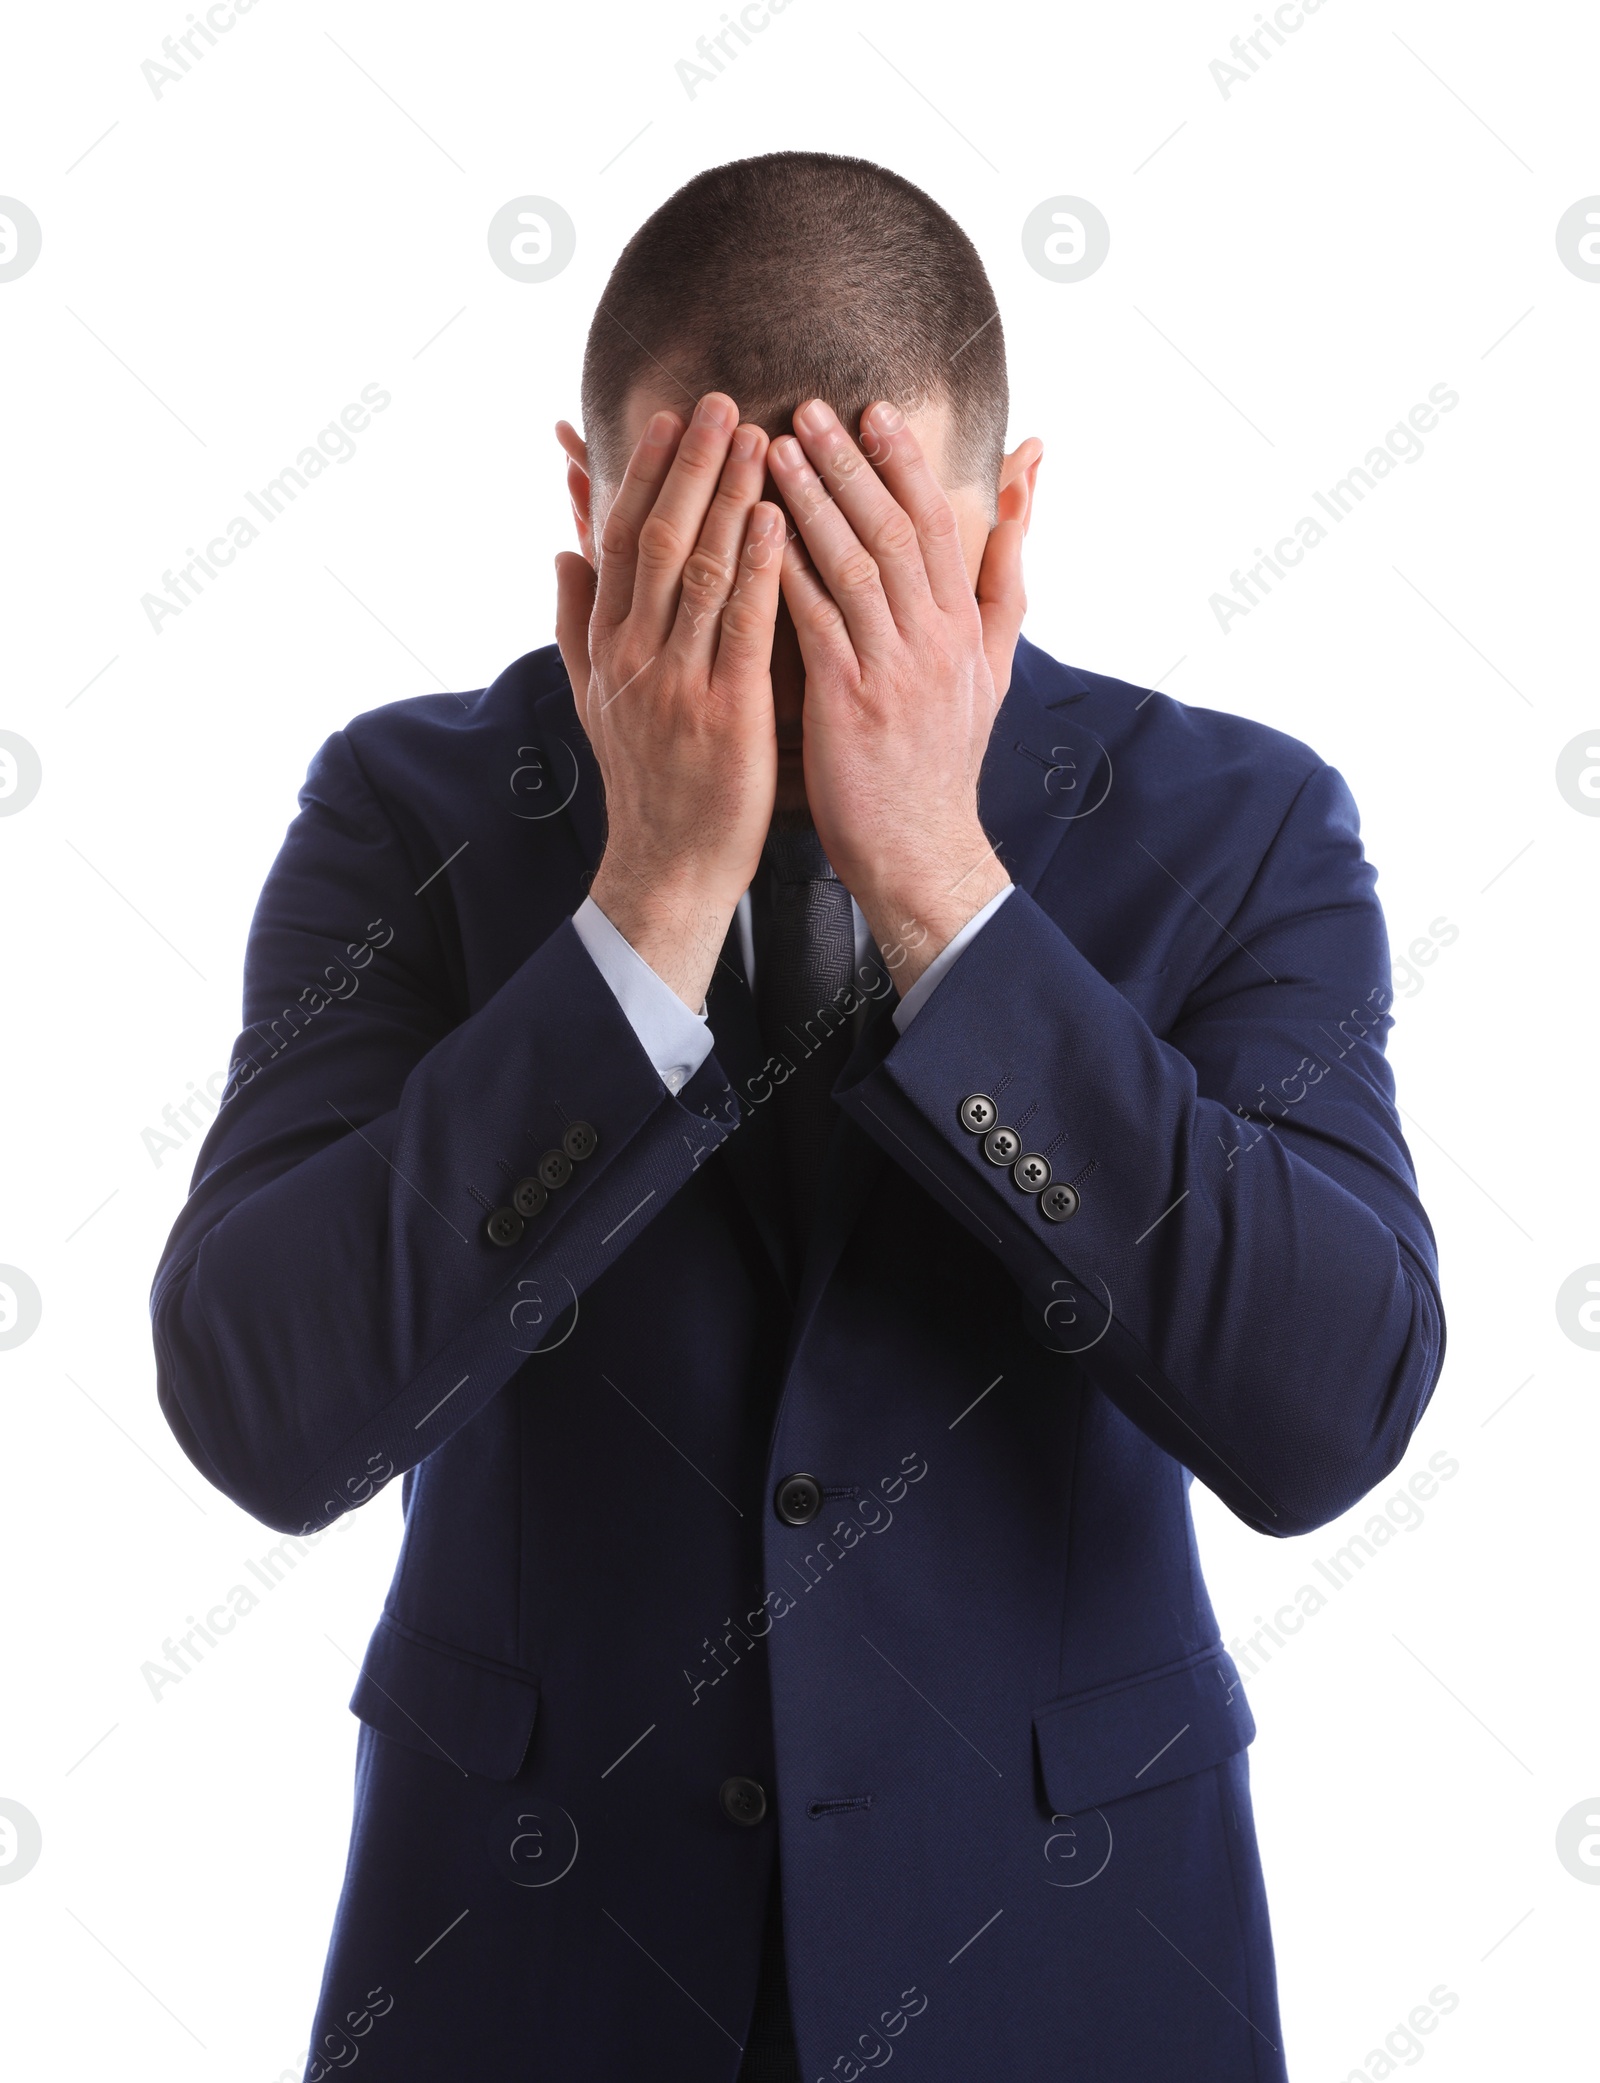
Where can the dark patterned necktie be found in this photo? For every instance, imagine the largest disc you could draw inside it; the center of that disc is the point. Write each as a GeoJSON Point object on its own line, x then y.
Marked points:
{"type": "Point", "coordinates": [804, 933]}
{"type": "Point", "coordinates": [805, 949]}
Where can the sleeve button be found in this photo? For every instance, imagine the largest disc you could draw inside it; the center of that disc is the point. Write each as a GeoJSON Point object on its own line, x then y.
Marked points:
{"type": "Point", "coordinates": [503, 1227]}
{"type": "Point", "coordinates": [979, 1113]}
{"type": "Point", "coordinates": [580, 1141]}
{"type": "Point", "coordinates": [1058, 1203]}
{"type": "Point", "coordinates": [1032, 1173]}
{"type": "Point", "coordinates": [1002, 1146]}
{"type": "Point", "coordinates": [555, 1168]}
{"type": "Point", "coordinates": [529, 1197]}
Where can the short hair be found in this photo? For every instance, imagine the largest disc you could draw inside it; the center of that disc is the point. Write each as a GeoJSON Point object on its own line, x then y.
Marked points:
{"type": "Point", "coordinates": [799, 275]}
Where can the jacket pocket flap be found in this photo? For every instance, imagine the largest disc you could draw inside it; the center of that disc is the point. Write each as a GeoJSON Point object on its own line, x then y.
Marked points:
{"type": "Point", "coordinates": [1141, 1732]}
{"type": "Point", "coordinates": [468, 1710]}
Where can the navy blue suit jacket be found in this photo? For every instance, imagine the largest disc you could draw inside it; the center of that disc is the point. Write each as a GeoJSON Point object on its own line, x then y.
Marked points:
{"type": "Point", "coordinates": [1002, 1747]}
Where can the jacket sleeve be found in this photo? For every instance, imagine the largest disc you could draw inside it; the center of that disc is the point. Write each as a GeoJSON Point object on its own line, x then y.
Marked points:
{"type": "Point", "coordinates": [330, 1305]}
{"type": "Point", "coordinates": [1249, 1274]}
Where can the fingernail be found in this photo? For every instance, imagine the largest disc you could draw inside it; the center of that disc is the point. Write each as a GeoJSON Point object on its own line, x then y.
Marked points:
{"type": "Point", "coordinates": [746, 441]}
{"type": "Point", "coordinates": [712, 411]}
{"type": "Point", "coordinates": [660, 429]}
{"type": "Point", "coordinates": [814, 416]}
{"type": "Point", "coordinates": [787, 451]}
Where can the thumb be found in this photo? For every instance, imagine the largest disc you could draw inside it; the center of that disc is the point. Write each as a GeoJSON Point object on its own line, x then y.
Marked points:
{"type": "Point", "coordinates": [575, 585]}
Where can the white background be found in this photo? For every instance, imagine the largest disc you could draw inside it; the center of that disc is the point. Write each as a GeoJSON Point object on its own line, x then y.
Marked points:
{"type": "Point", "coordinates": [225, 266]}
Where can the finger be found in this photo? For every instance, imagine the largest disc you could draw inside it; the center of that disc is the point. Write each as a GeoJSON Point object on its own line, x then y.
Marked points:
{"type": "Point", "coordinates": [713, 568]}
{"type": "Point", "coordinates": [575, 591]}
{"type": "Point", "coordinates": [619, 538]}
{"type": "Point", "coordinates": [826, 650]}
{"type": "Point", "coordinates": [880, 524]}
{"type": "Point", "coordinates": [669, 532]}
{"type": "Point", "coordinates": [845, 567]}
{"type": "Point", "coordinates": [746, 625]}
{"type": "Point", "coordinates": [1001, 600]}
{"type": "Point", "coordinates": [895, 452]}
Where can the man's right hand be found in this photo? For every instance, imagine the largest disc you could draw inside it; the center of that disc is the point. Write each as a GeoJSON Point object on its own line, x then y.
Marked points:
{"type": "Point", "coordinates": [669, 650]}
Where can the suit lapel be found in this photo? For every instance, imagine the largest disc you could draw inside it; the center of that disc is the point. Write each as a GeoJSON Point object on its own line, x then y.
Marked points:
{"type": "Point", "coordinates": [569, 776]}
{"type": "Point", "coordinates": [1043, 772]}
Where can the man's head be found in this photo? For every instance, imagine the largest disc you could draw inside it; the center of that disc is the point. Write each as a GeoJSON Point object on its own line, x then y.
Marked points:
{"type": "Point", "coordinates": [793, 276]}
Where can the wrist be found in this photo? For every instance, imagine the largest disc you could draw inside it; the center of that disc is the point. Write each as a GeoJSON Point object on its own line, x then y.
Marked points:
{"type": "Point", "coordinates": [912, 921]}
{"type": "Point", "coordinates": [677, 926]}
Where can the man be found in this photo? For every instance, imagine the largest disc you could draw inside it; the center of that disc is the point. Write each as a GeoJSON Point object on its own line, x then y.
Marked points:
{"type": "Point", "coordinates": [797, 1124]}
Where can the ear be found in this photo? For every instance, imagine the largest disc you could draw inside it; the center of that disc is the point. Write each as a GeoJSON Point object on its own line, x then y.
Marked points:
{"type": "Point", "coordinates": [1018, 473]}
{"type": "Point", "coordinates": [578, 486]}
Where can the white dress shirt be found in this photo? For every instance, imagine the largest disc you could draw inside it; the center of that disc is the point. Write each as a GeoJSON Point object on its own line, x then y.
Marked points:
{"type": "Point", "coordinates": [678, 1041]}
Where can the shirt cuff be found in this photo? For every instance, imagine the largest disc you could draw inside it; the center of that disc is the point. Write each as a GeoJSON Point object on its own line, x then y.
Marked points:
{"type": "Point", "coordinates": [676, 1040]}
{"type": "Point", "coordinates": [926, 984]}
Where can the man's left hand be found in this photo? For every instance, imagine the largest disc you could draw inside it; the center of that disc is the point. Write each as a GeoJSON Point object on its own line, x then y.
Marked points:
{"type": "Point", "coordinates": [905, 671]}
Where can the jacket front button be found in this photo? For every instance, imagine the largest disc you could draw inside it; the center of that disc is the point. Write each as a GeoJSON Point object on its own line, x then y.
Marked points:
{"type": "Point", "coordinates": [798, 1499]}
{"type": "Point", "coordinates": [979, 1113]}
{"type": "Point", "coordinates": [1002, 1146]}
{"type": "Point", "coordinates": [1032, 1173]}
{"type": "Point", "coordinates": [529, 1197]}
{"type": "Point", "coordinates": [580, 1141]}
{"type": "Point", "coordinates": [503, 1227]}
{"type": "Point", "coordinates": [743, 1800]}
{"type": "Point", "coordinates": [1059, 1202]}
{"type": "Point", "coordinates": [555, 1168]}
